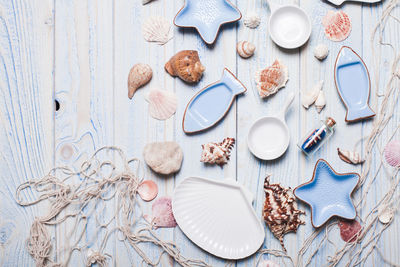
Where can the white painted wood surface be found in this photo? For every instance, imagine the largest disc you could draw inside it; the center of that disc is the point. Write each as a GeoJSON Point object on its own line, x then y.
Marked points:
{"type": "Point", "coordinates": [80, 52]}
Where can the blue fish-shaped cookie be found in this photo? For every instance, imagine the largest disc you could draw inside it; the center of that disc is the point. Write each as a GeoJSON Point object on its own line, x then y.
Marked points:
{"type": "Point", "coordinates": [353, 84]}
{"type": "Point", "coordinates": [212, 103]}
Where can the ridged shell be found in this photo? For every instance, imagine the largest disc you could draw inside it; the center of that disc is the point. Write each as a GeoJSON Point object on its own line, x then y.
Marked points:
{"type": "Point", "coordinates": [139, 75]}
{"type": "Point", "coordinates": [157, 29]}
{"type": "Point", "coordinates": [321, 101]}
{"type": "Point", "coordinates": [148, 190]}
{"type": "Point", "coordinates": [309, 97]}
{"type": "Point", "coordinates": [186, 65]}
{"type": "Point", "coordinates": [321, 51]}
{"type": "Point", "coordinates": [162, 213]}
{"type": "Point", "coordinates": [349, 230]}
{"type": "Point", "coordinates": [271, 79]}
{"type": "Point", "coordinates": [350, 157]}
{"type": "Point", "coordinates": [252, 20]}
{"type": "Point", "coordinates": [392, 153]}
{"type": "Point", "coordinates": [217, 153]}
{"type": "Point", "coordinates": [337, 25]}
{"type": "Point", "coordinates": [268, 263]}
{"type": "Point", "coordinates": [245, 49]}
{"type": "Point", "coordinates": [162, 103]}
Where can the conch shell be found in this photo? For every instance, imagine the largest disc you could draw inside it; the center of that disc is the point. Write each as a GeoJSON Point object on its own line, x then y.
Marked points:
{"type": "Point", "coordinates": [245, 49]}
{"type": "Point", "coordinates": [217, 153]}
{"type": "Point", "coordinates": [280, 210]}
{"type": "Point", "coordinates": [309, 97]}
{"type": "Point", "coordinates": [321, 101]}
{"type": "Point", "coordinates": [271, 79]}
{"type": "Point", "coordinates": [139, 76]}
{"type": "Point", "coordinates": [350, 157]}
{"type": "Point", "coordinates": [186, 65]}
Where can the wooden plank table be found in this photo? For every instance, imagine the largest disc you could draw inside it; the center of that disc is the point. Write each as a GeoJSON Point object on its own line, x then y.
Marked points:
{"type": "Point", "coordinates": [79, 52]}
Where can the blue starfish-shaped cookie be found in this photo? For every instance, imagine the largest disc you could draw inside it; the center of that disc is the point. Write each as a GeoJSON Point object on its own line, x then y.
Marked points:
{"type": "Point", "coordinates": [207, 16]}
{"type": "Point", "coordinates": [328, 193]}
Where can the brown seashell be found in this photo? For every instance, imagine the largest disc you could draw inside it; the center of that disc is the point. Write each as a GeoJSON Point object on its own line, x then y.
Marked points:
{"type": "Point", "coordinates": [350, 157]}
{"type": "Point", "coordinates": [186, 65]}
{"type": "Point", "coordinates": [217, 153]}
{"type": "Point", "coordinates": [139, 76]}
{"type": "Point", "coordinates": [245, 49]}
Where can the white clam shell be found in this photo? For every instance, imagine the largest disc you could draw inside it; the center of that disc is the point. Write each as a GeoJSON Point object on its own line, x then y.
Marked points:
{"type": "Point", "coordinates": [252, 20]}
{"type": "Point", "coordinates": [157, 29]}
{"type": "Point", "coordinates": [321, 51]}
{"type": "Point", "coordinates": [385, 214]}
{"type": "Point", "coordinates": [162, 103]}
{"type": "Point", "coordinates": [321, 101]}
{"type": "Point", "coordinates": [245, 49]}
{"type": "Point", "coordinates": [309, 97]}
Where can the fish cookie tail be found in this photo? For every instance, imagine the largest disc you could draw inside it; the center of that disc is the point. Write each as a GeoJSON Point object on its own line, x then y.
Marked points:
{"type": "Point", "coordinates": [232, 82]}
{"type": "Point", "coordinates": [359, 114]}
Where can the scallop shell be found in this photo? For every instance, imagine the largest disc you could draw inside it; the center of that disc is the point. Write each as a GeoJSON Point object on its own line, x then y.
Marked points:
{"type": "Point", "coordinates": [350, 157]}
{"type": "Point", "coordinates": [321, 101]}
{"type": "Point", "coordinates": [280, 210]}
{"type": "Point", "coordinates": [245, 49]}
{"type": "Point", "coordinates": [162, 215]}
{"type": "Point", "coordinates": [337, 25]}
{"type": "Point", "coordinates": [252, 20]}
{"type": "Point", "coordinates": [271, 79]}
{"type": "Point", "coordinates": [268, 263]}
{"type": "Point", "coordinates": [186, 65]}
{"type": "Point", "coordinates": [392, 153]}
{"type": "Point", "coordinates": [217, 153]}
{"type": "Point", "coordinates": [309, 97]}
{"type": "Point", "coordinates": [349, 230]}
{"type": "Point", "coordinates": [385, 214]}
{"type": "Point", "coordinates": [321, 51]}
{"type": "Point", "coordinates": [139, 75]}
{"type": "Point", "coordinates": [157, 29]}
{"type": "Point", "coordinates": [162, 103]}
{"type": "Point", "coordinates": [148, 190]}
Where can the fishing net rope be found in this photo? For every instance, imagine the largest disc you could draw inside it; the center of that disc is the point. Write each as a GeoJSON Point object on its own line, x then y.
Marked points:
{"type": "Point", "coordinates": [77, 197]}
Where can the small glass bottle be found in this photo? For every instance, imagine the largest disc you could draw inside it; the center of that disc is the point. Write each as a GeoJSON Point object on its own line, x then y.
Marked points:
{"type": "Point", "coordinates": [317, 137]}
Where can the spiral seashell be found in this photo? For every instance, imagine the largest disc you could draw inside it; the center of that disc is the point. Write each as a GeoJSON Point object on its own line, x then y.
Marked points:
{"type": "Point", "coordinates": [271, 79]}
{"type": "Point", "coordinates": [309, 97]}
{"type": "Point", "coordinates": [186, 65]}
{"type": "Point", "coordinates": [245, 49]}
{"type": "Point", "coordinates": [217, 153]}
{"type": "Point", "coordinates": [321, 101]}
{"type": "Point", "coordinates": [321, 51]}
{"type": "Point", "coordinates": [392, 153]}
{"type": "Point", "coordinates": [157, 29]}
{"type": "Point", "coordinates": [350, 157]}
{"type": "Point", "coordinates": [162, 104]}
{"type": "Point", "coordinates": [139, 75]}
{"type": "Point", "coordinates": [252, 20]}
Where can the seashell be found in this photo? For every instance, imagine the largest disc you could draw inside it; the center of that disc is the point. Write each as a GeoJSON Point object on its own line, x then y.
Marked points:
{"type": "Point", "coordinates": [145, 2]}
{"type": "Point", "coordinates": [268, 263]}
{"type": "Point", "coordinates": [162, 103]}
{"type": "Point", "coordinates": [251, 20]}
{"type": "Point", "coordinates": [349, 230]}
{"type": "Point", "coordinates": [309, 97]}
{"type": "Point", "coordinates": [217, 153]}
{"type": "Point", "coordinates": [245, 49]}
{"type": "Point", "coordinates": [321, 51]}
{"type": "Point", "coordinates": [148, 190]}
{"type": "Point", "coordinates": [350, 157]}
{"type": "Point", "coordinates": [186, 65]}
{"type": "Point", "coordinates": [337, 25]}
{"type": "Point", "coordinates": [320, 102]}
{"type": "Point", "coordinates": [385, 214]}
{"type": "Point", "coordinates": [162, 215]}
{"type": "Point", "coordinates": [157, 30]}
{"type": "Point", "coordinates": [139, 75]}
{"type": "Point", "coordinates": [271, 79]}
{"type": "Point", "coordinates": [280, 210]}
{"type": "Point", "coordinates": [163, 157]}
{"type": "Point", "coordinates": [392, 153]}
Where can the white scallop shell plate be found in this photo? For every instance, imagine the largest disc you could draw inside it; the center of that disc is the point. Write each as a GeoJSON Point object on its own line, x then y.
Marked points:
{"type": "Point", "coordinates": [218, 217]}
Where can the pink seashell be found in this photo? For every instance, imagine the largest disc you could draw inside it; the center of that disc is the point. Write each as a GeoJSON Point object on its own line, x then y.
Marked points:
{"type": "Point", "coordinates": [162, 104]}
{"type": "Point", "coordinates": [337, 25]}
{"type": "Point", "coordinates": [349, 230]}
{"type": "Point", "coordinates": [392, 153]}
{"type": "Point", "coordinates": [148, 190]}
{"type": "Point", "coordinates": [162, 213]}
{"type": "Point", "coordinates": [271, 79]}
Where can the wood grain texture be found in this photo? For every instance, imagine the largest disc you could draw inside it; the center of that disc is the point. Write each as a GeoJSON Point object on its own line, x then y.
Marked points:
{"type": "Point", "coordinates": [79, 52]}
